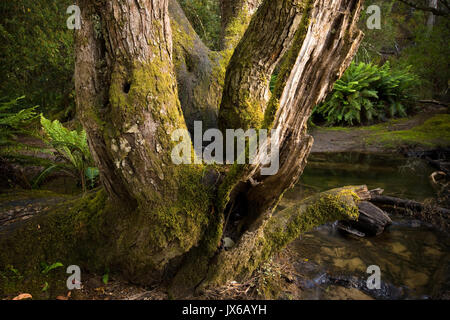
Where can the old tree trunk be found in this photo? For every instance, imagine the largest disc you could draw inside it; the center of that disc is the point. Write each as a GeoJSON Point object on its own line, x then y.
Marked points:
{"type": "Point", "coordinates": [155, 221]}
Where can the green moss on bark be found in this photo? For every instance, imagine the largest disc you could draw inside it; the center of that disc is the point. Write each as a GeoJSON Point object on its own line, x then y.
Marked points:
{"type": "Point", "coordinates": [236, 27]}
{"type": "Point", "coordinates": [276, 232]}
{"type": "Point", "coordinates": [92, 232]}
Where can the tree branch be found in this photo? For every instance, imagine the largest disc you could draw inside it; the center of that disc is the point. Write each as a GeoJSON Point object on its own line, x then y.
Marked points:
{"type": "Point", "coordinates": [266, 40]}
{"type": "Point", "coordinates": [279, 230]}
{"type": "Point", "coordinates": [445, 3]}
{"type": "Point", "coordinates": [435, 11]}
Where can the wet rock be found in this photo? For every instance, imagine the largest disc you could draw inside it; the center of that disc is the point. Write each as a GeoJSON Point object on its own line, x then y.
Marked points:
{"type": "Point", "coordinates": [228, 243]}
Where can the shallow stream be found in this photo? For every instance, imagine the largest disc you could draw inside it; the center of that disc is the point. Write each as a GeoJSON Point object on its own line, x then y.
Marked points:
{"type": "Point", "coordinates": [413, 257]}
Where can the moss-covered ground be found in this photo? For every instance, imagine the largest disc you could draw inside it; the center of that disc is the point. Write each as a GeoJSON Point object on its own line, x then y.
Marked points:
{"type": "Point", "coordinates": [425, 131]}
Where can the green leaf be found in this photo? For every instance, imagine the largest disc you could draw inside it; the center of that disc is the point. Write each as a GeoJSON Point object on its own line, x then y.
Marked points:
{"type": "Point", "coordinates": [105, 278]}
{"type": "Point", "coordinates": [91, 174]}
{"type": "Point", "coordinates": [49, 268]}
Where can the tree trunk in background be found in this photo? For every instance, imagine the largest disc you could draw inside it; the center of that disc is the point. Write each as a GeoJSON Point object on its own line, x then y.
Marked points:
{"type": "Point", "coordinates": [431, 17]}
{"type": "Point", "coordinates": [201, 72]}
{"type": "Point", "coordinates": [165, 222]}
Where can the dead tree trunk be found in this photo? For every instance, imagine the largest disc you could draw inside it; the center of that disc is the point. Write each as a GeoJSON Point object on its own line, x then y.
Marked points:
{"type": "Point", "coordinates": [161, 221]}
{"type": "Point", "coordinates": [405, 203]}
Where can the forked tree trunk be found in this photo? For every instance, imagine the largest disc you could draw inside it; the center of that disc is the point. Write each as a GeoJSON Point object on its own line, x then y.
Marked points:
{"type": "Point", "coordinates": [323, 51]}
{"type": "Point", "coordinates": [199, 72]}
{"type": "Point", "coordinates": [326, 40]}
{"type": "Point", "coordinates": [162, 221]}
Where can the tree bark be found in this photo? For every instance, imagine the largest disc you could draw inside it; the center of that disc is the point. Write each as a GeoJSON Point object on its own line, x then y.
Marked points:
{"type": "Point", "coordinates": [246, 90]}
{"type": "Point", "coordinates": [372, 221]}
{"type": "Point", "coordinates": [406, 204]}
{"type": "Point", "coordinates": [124, 51]}
{"type": "Point", "coordinates": [431, 17]}
{"type": "Point", "coordinates": [327, 48]}
{"type": "Point", "coordinates": [236, 15]}
{"type": "Point", "coordinates": [201, 72]}
{"type": "Point", "coordinates": [159, 221]}
{"type": "Point", "coordinates": [198, 71]}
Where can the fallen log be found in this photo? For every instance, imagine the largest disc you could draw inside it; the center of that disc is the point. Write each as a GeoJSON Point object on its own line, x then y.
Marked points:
{"type": "Point", "coordinates": [372, 221]}
{"type": "Point", "coordinates": [404, 203]}
{"type": "Point", "coordinates": [439, 103]}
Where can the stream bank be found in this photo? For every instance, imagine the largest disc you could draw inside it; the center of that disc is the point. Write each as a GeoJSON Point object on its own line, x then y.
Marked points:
{"type": "Point", "coordinates": [427, 130]}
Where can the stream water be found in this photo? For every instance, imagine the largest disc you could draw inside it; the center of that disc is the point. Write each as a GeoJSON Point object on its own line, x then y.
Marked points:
{"type": "Point", "coordinates": [413, 257]}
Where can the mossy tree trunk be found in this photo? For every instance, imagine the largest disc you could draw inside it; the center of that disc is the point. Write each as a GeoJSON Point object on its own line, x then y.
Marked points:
{"type": "Point", "coordinates": [198, 71]}
{"type": "Point", "coordinates": [325, 41]}
{"type": "Point", "coordinates": [128, 101]}
{"type": "Point", "coordinates": [236, 15]}
{"type": "Point", "coordinates": [163, 221]}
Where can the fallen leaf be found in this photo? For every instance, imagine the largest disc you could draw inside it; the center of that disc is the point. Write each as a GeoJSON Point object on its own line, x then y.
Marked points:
{"type": "Point", "coordinates": [23, 296]}
{"type": "Point", "coordinates": [100, 289]}
{"type": "Point", "coordinates": [62, 298]}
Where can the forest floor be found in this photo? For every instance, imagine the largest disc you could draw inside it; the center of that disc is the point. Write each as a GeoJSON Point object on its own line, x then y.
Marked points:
{"type": "Point", "coordinates": [279, 279]}
{"type": "Point", "coordinates": [429, 129]}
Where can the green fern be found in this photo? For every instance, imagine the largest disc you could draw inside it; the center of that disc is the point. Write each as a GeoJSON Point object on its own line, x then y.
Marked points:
{"type": "Point", "coordinates": [367, 92]}
{"type": "Point", "coordinates": [72, 146]}
{"type": "Point", "coordinates": [14, 120]}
